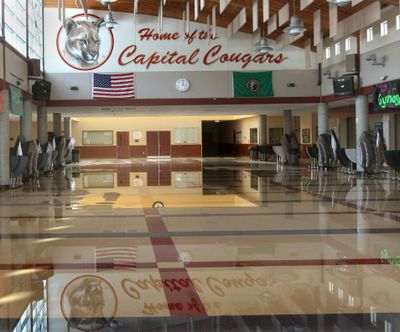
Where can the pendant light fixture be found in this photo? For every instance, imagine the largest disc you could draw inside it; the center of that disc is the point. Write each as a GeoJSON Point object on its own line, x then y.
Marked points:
{"type": "Point", "coordinates": [109, 21]}
{"type": "Point", "coordinates": [296, 26]}
{"type": "Point", "coordinates": [263, 47]}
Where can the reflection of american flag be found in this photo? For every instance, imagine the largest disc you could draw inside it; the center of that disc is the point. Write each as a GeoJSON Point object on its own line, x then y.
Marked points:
{"type": "Point", "coordinates": [109, 258]}
{"type": "Point", "coordinates": [106, 86]}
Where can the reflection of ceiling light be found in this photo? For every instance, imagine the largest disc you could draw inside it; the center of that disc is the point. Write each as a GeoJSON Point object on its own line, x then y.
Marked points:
{"type": "Point", "coordinates": [106, 2]}
{"type": "Point", "coordinates": [295, 27]}
{"type": "Point", "coordinates": [109, 21]}
{"type": "Point", "coordinates": [340, 3]}
{"type": "Point", "coordinates": [263, 47]}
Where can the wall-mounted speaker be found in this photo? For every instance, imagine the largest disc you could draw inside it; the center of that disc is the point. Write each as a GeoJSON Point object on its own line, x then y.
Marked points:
{"type": "Point", "coordinates": [41, 90]}
{"type": "Point", "coordinates": [352, 63]}
{"type": "Point", "coordinates": [34, 67]}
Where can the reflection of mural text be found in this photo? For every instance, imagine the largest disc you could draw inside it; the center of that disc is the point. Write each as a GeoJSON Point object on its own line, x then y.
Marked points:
{"type": "Point", "coordinates": [219, 286]}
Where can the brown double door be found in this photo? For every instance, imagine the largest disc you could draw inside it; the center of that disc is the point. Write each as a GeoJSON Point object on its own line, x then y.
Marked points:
{"type": "Point", "coordinates": [158, 144]}
{"type": "Point", "coordinates": [123, 145]}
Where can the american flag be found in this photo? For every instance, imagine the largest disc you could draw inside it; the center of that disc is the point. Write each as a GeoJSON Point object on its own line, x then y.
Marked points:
{"type": "Point", "coordinates": [112, 86]}
{"type": "Point", "coordinates": [109, 258]}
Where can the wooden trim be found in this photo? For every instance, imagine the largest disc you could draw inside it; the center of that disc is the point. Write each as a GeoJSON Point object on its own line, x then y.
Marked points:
{"type": "Point", "coordinates": [105, 151]}
{"type": "Point", "coordinates": [185, 150]}
{"type": "Point", "coordinates": [364, 91]}
{"type": "Point", "coordinates": [184, 101]}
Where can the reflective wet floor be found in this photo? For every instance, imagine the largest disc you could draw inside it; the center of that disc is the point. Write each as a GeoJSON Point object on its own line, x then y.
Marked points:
{"type": "Point", "coordinates": [200, 245]}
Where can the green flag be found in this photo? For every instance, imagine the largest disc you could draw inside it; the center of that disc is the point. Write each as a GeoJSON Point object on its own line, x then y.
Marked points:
{"type": "Point", "coordinates": [253, 84]}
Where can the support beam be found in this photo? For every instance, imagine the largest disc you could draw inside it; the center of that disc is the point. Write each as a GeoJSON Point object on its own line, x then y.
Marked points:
{"type": "Point", "coordinates": [361, 124]}
{"type": "Point", "coordinates": [57, 124]}
{"type": "Point", "coordinates": [287, 122]}
{"type": "Point", "coordinates": [26, 121]}
{"type": "Point", "coordinates": [262, 129]}
{"type": "Point", "coordinates": [42, 132]}
{"type": "Point", "coordinates": [4, 141]}
{"type": "Point", "coordinates": [67, 127]}
{"type": "Point", "coordinates": [323, 119]}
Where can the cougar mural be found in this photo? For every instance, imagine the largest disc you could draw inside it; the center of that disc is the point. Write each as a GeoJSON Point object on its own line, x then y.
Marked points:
{"type": "Point", "coordinates": [82, 42]}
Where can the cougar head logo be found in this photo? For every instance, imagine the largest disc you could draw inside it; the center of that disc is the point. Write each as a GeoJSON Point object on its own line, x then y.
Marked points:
{"type": "Point", "coordinates": [82, 42]}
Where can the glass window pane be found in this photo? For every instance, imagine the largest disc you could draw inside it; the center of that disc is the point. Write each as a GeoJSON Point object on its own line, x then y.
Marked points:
{"type": "Point", "coordinates": [35, 24]}
{"type": "Point", "coordinates": [15, 24]}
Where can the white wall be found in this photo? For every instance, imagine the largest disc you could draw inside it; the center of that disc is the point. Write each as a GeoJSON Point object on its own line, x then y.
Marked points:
{"type": "Point", "coordinates": [387, 47]}
{"type": "Point", "coordinates": [209, 84]}
{"type": "Point", "coordinates": [16, 70]}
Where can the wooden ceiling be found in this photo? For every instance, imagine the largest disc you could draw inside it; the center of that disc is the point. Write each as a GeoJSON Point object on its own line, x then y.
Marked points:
{"type": "Point", "coordinates": [175, 8]}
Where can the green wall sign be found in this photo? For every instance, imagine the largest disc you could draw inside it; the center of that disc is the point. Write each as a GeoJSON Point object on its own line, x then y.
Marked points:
{"type": "Point", "coordinates": [387, 96]}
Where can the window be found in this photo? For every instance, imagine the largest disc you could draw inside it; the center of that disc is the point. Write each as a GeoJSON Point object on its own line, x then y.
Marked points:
{"type": "Point", "coordinates": [35, 34]}
{"type": "Point", "coordinates": [384, 28]}
{"type": "Point", "coordinates": [253, 135]}
{"type": "Point", "coordinates": [101, 180]}
{"type": "Point", "coordinates": [186, 136]}
{"type": "Point", "coordinates": [15, 24]}
{"type": "Point", "coordinates": [337, 48]}
{"type": "Point", "coordinates": [347, 44]}
{"type": "Point", "coordinates": [328, 53]}
{"type": "Point", "coordinates": [97, 137]}
{"type": "Point", "coordinates": [398, 22]}
{"type": "Point", "coordinates": [370, 34]}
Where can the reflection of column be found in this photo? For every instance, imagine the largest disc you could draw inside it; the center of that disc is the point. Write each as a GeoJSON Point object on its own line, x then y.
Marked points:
{"type": "Point", "coordinates": [262, 189]}
{"type": "Point", "coordinates": [362, 222]}
{"type": "Point", "coordinates": [262, 129]}
{"type": "Point", "coordinates": [343, 133]}
{"type": "Point", "coordinates": [57, 124]}
{"type": "Point", "coordinates": [26, 121]}
{"type": "Point", "coordinates": [389, 125]}
{"type": "Point", "coordinates": [323, 120]}
{"type": "Point", "coordinates": [361, 124]}
{"type": "Point", "coordinates": [42, 124]}
{"type": "Point", "coordinates": [287, 122]}
{"type": "Point", "coordinates": [4, 141]}
{"type": "Point", "coordinates": [67, 127]}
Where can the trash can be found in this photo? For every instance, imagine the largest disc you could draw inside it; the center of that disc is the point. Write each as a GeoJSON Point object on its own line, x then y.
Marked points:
{"type": "Point", "coordinates": [76, 155]}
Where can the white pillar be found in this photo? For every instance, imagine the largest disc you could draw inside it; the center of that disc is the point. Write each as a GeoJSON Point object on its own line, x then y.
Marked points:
{"type": "Point", "coordinates": [262, 129]}
{"type": "Point", "coordinates": [42, 132]}
{"type": "Point", "coordinates": [67, 127]}
{"type": "Point", "coordinates": [361, 124]}
{"type": "Point", "coordinates": [57, 124]}
{"type": "Point", "coordinates": [287, 122]}
{"type": "Point", "coordinates": [4, 141]}
{"type": "Point", "coordinates": [323, 119]}
{"type": "Point", "coordinates": [26, 121]}
{"type": "Point", "coordinates": [389, 130]}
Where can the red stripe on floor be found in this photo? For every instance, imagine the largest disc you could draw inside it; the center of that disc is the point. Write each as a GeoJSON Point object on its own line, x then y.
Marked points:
{"type": "Point", "coordinates": [182, 297]}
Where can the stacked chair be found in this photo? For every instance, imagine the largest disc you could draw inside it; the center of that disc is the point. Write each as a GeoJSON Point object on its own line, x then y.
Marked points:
{"type": "Point", "coordinates": [291, 148]}
{"type": "Point", "coordinates": [312, 153]}
{"type": "Point", "coordinates": [325, 152]}
{"type": "Point", "coordinates": [339, 154]}
{"type": "Point", "coordinates": [390, 157]}
{"type": "Point", "coordinates": [18, 163]}
{"type": "Point", "coordinates": [372, 160]}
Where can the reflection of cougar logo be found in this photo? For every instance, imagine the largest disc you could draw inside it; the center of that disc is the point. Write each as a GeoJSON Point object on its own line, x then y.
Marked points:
{"type": "Point", "coordinates": [82, 42]}
{"type": "Point", "coordinates": [87, 303]}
